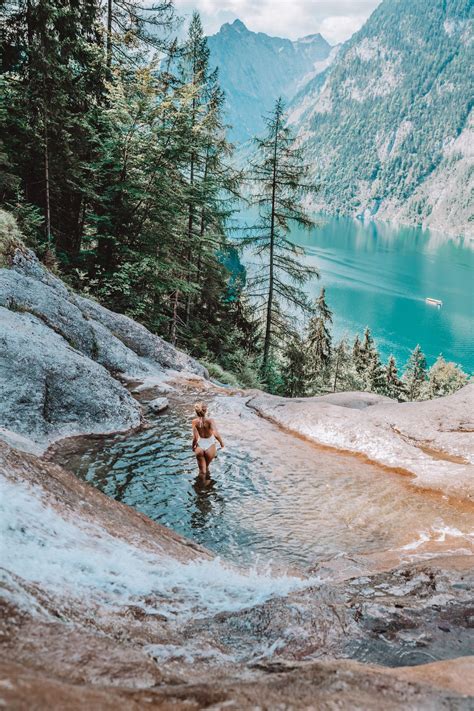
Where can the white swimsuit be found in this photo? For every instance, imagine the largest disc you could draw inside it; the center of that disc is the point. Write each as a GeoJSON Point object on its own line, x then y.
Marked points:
{"type": "Point", "coordinates": [206, 442]}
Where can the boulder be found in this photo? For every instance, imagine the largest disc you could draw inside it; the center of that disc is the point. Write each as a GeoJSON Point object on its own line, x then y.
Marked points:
{"type": "Point", "coordinates": [60, 357]}
{"type": "Point", "coordinates": [159, 404]}
{"type": "Point", "coordinates": [49, 390]}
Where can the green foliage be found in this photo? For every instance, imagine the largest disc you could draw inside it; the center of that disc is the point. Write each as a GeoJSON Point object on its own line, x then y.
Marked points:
{"type": "Point", "coordinates": [393, 387]}
{"type": "Point", "coordinates": [319, 342]}
{"type": "Point", "coordinates": [221, 375]}
{"type": "Point", "coordinates": [119, 163]}
{"type": "Point", "coordinates": [294, 368]}
{"type": "Point", "coordinates": [444, 379]}
{"type": "Point", "coordinates": [344, 368]}
{"type": "Point", "coordinates": [10, 238]}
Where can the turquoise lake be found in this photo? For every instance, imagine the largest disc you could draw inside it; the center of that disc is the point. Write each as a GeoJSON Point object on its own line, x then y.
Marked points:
{"type": "Point", "coordinates": [379, 275]}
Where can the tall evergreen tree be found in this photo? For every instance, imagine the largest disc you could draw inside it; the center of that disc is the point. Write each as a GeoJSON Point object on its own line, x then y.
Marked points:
{"type": "Point", "coordinates": [375, 374]}
{"type": "Point", "coordinates": [294, 368]}
{"type": "Point", "coordinates": [53, 83]}
{"type": "Point", "coordinates": [393, 386]}
{"type": "Point", "coordinates": [415, 374]}
{"type": "Point", "coordinates": [278, 176]}
{"type": "Point", "coordinates": [319, 342]}
{"type": "Point", "coordinates": [357, 356]}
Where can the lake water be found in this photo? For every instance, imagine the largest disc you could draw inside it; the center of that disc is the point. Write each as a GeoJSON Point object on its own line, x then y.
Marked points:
{"type": "Point", "coordinates": [379, 275]}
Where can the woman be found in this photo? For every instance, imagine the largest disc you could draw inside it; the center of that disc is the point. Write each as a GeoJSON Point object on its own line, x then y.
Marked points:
{"type": "Point", "coordinates": [205, 435]}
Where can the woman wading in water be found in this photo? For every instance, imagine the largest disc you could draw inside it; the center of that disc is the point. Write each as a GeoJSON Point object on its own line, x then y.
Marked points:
{"type": "Point", "coordinates": [205, 436]}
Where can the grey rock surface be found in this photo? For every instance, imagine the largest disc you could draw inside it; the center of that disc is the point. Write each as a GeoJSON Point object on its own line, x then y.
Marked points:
{"type": "Point", "coordinates": [50, 390]}
{"type": "Point", "coordinates": [59, 354]}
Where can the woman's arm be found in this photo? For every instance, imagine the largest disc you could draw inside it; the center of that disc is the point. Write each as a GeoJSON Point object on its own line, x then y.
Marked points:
{"type": "Point", "coordinates": [195, 437]}
{"type": "Point", "coordinates": [216, 434]}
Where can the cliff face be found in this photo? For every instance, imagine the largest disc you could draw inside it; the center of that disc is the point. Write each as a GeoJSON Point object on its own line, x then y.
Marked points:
{"type": "Point", "coordinates": [61, 355]}
{"type": "Point", "coordinates": [389, 128]}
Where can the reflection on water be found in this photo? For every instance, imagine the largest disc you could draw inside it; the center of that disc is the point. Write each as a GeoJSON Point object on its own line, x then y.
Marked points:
{"type": "Point", "coordinates": [272, 496]}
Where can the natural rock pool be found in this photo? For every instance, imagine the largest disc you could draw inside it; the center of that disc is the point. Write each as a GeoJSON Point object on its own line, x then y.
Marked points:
{"type": "Point", "coordinates": [273, 498]}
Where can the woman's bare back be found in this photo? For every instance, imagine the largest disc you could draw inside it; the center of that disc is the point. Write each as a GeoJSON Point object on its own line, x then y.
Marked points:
{"type": "Point", "coordinates": [204, 426]}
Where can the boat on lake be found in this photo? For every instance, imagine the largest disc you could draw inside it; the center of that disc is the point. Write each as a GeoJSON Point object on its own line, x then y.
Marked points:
{"type": "Point", "coordinates": [434, 302]}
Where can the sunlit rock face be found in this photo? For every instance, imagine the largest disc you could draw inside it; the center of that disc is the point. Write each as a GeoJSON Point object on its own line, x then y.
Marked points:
{"type": "Point", "coordinates": [60, 357]}
{"type": "Point", "coordinates": [102, 606]}
{"type": "Point", "coordinates": [432, 440]}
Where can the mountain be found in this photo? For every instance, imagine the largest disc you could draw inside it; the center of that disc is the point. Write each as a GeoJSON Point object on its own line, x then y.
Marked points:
{"type": "Point", "coordinates": [389, 126]}
{"type": "Point", "coordinates": [255, 69]}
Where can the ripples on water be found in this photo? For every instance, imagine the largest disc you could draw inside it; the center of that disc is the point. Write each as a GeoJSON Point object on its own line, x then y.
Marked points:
{"type": "Point", "coordinates": [272, 497]}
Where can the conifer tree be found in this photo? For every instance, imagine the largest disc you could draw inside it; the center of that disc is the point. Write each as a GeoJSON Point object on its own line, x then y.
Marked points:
{"type": "Point", "coordinates": [53, 83]}
{"type": "Point", "coordinates": [393, 387]}
{"type": "Point", "coordinates": [414, 377]}
{"type": "Point", "coordinates": [374, 375]}
{"type": "Point", "coordinates": [278, 175]}
{"type": "Point", "coordinates": [366, 350]}
{"type": "Point", "coordinates": [294, 369]}
{"type": "Point", "coordinates": [356, 355]}
{"type": "Point", "coordinates": [319, 342]}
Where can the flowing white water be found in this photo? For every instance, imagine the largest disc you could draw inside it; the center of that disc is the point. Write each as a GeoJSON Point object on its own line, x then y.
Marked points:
{"type": "Point", "coordinates": [53, 548]}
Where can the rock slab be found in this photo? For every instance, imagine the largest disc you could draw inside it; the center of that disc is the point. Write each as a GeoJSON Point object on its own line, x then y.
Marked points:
{"type": "Point", "coordinates": [61, 355]}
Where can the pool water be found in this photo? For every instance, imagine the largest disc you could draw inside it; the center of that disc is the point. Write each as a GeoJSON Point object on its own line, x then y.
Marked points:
{"type": "Point", "coordinates": [273, 497]}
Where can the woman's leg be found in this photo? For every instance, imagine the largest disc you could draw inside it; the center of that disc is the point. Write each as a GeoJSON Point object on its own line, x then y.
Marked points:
{"type": "Point", "coordinates": [201, 460]}
{"type": "Point", "coordinates": [209, 455]}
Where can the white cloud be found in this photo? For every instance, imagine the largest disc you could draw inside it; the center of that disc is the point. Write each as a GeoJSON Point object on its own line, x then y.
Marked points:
{"type": "Point", "coordinates": [337, 20]}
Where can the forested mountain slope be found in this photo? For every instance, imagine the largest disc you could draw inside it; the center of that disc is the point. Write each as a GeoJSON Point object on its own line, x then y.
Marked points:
{"type": "Point", "coordinates": [255, 69]}
{"type": "Point", "coordinates": [389, 127]}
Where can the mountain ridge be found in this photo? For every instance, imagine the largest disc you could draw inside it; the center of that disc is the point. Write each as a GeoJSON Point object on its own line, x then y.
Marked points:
{"type": "Point", "coordinates": [389, 126]}
{"type": "Point", "coordinates": [256, 68]}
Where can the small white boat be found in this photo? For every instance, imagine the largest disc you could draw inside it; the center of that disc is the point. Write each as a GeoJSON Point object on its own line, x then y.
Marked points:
{"type": "Point", "coordinates": [433, 302]}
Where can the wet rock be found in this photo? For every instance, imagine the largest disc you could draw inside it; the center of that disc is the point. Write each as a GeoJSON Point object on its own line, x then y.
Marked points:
{"type": "Point", "coordinates": [434, 440]}
{"type": "Point", "coordinates": [138, 339]}
{"type": "Point", "coordinates": [159, 404]}
{"type": "Point", "coordinates": [77, 636]}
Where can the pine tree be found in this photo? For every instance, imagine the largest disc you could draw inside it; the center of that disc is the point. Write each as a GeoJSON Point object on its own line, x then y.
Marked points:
{"type": "Point", "coordinates": [319, 343]}
{"type": "Point", "coordinates": [393, 386]}
{"type": "Point", "coordinates": [414, 377]}
{"type": "Point", "coordinates": [375, 374]}
{"type": "Point", "coordinates": [54, 82]}
{"type": "Point", "coordinates": [278, 175]}
{"type": "Point", "coordinates": [343, 374]}
{"type": "Point", "coordinates": [366, 350]}
{"type": "Point", "coordinates": [356, 355]}
{"type": "Point", "coordinates": [294, 369]}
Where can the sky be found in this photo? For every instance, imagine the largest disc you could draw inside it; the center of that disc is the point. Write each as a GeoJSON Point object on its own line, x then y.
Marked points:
{"type": "Point", "coordinates": [336, 20]}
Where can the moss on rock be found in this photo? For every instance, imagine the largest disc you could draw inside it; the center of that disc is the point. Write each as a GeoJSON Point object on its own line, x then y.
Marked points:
{"type": "Point", "coordinates": [10, 239]}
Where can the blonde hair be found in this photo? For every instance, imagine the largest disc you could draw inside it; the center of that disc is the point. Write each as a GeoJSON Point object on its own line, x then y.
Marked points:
{"type": "Point", "coordinates": [201, 409]}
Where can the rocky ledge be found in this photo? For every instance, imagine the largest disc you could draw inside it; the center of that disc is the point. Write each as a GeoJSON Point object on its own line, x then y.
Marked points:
{"type": "Point", "coordinates": [433, 440]}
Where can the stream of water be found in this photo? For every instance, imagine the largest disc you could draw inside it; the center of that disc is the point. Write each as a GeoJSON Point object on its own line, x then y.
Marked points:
{"type": "Point", "coordinates": [273, 497]}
